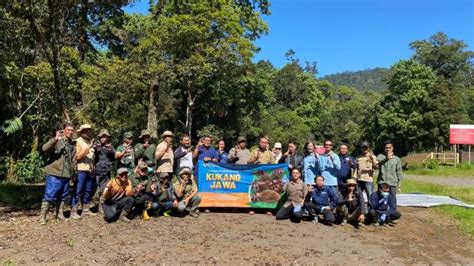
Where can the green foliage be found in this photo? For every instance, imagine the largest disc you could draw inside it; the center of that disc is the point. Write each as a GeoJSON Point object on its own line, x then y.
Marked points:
{"type": "Point", "coordinates": [365, 80]}
{"type": "Point", "coordinates": [432, 164]}
{"type": "Point", "coordinates": [462, 171]}
{"type": "Point", "coordinates": [12, 126]}
{"type": "Point", "coordinates": [212, 131]}
{"type": "Point", "coordinates": [29, 169]}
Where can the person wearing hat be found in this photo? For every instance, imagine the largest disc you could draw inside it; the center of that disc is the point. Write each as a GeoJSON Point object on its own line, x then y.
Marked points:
{"type": "Point", "coordinates": [104, 159]}
{"type": "Point", "coordinates": [141, 180]}
{"type": "Point", "coordinates": [351, 204]}
{"type": "Point", "coordinates": [186, 192]}
{"type": "Point", "coordinates": [145, 149]}
{"type": "Point", "coordinates": [277, 151]}
{"type": "Point", "coordinates": [183, 155]}
{"type": "Point", "coordinates": [367, 163]}
{"type": "Point", "coordinates": [239, 154]}
{"type": "Point", "coordinates": [164, 154]}
{"type": "Point", "coordinates": [61, 152]}
{"type": "Point", "coordinates": [382, 210]}
{"type": "Point", "coordinates": [164, 199]}
{"type": "Point", "coordinates": [125, 154]}
{"type": "Point", "coordinates": [85, 182]}
{"type": "Point", "coordinates": [118, 197]}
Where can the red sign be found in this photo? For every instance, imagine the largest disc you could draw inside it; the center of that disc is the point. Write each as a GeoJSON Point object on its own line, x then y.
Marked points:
{"type": "Point", "coordinates": [461, 134]}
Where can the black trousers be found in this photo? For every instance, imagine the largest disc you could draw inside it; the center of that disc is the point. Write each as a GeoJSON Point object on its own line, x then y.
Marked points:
{"type": "Point", "coordinates": [393, 193]}
{"type": "Point", "coordinates": [112, 209]}
{"type": "Point", "coordinates": [373, 216]}
{"type": "Point", "coordinates": [287, 213]}
{"type": "Point", "coordinates": [314, 209]}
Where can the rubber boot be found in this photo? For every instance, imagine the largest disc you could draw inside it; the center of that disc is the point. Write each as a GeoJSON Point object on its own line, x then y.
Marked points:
{"type": "Point", "coordinates": [60, 211]}
{"type": "Point", "coordinates": [146, 217]}
{"type": "Point", "coordinates": [44, 212]}
{"type": "Point", "coordinates": [74, 214]}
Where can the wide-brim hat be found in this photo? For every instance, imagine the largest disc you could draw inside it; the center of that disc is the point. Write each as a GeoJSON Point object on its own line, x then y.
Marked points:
{"type": "Point", "coordinates": [103, 132]}
{"type": "Point", "coordinates": [142, 166]}
{"type": "Point", "coordinates": [144, 133]}
{"type": "Point", "coordinates": [241, 139]}
{"type": "Point", "coordinates": [351, 182]}
{"type": "Point", "coordinates": [278, 145]}
{"type": "Point", "coordinates": [167, 133]}
{"type": "Point", "coordinates": [84, 127]}
{"type": "Point", "coordinates": [185, 171]}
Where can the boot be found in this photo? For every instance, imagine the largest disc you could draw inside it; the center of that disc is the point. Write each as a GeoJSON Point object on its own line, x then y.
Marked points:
{"type": "Point", "coordinates": [86, 210]}
{"type": "Point", "coordinates": [146, 217]}
{"type": "Point", "coordinates": [124, 217]}
{"type": "Point", "coordinates": [60, 212]}
{"type": "Point", "coordinates": [74, 214]}
{"type": "Point", "coordinates": [44, 212]}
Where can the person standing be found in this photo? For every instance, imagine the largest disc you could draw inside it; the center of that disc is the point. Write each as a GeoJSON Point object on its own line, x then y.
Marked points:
{"type": "Point", "coordinates": [262, 155]}
{"type": "Point", "coordinates": [204, 151]}
{"type": "Point", "coordinates": [348, 164]}
{"type": "Point", "coordinates": [85, 181]}
{"type": "Point", "coordinates": [104, 159]}
{"type": "Point", "coordinates": [164, 154]}
{"type": "Point", "coordinates": [276, 151]}
{"type": "Point", "coordinates": [183, 155]}
{"type": "Point", "coordinates": [390, 170]}
{"type": "Point", "coordinates": [239, 154]}
{"type": "Point", "coordinates": [292, 157]}
{"type": "Point", "coordinates": [296, 192]}
{"type": "Point", "coordinates": [367, 163]}
{"type": "Point", "coordinates": [222, 156]}
{"type": "Point", "coordinates": [329, 166]}
{"type": "Point", "coordinates": [310, 163]}
{"type": "Point", "coordinates": [61, 152]}
{"type": "Point", "coordinates": [125, 154]}
{"type": "Point", "coordinates": [145, 150]}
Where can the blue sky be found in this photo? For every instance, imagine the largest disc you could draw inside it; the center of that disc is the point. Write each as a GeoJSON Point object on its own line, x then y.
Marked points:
{"type": "Point", "coordinates": [345, 35]}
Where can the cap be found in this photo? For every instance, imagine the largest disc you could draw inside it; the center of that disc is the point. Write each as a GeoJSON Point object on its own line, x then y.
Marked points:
{"type": "Point", "coordinates": [185, 170]}
{"type": "Point", "coordinates": [241, 139]}
{"type": "Point", "coordinates": [128, 135]}
{"type": "Point", "coordinates": [103, 132]}
{"type": "Point", "coordinates": [142, 165]}
{"type": "Point", "coordinates": [365, 144]}
{"type": "Point", "coordinates": [351, 182]}
{"type": "Point", "coordinates": [122, 170]}
{"type": "Point", "coordinates": [164, 174]}
{"type": "Point", "coordinates": [277, 145]}
{"type": "Point", "coordinates": [144, 133]}
{"type": "Point", "coordinates": [167, 133]}
{"type": "Point", "coordinates": [83, 127]}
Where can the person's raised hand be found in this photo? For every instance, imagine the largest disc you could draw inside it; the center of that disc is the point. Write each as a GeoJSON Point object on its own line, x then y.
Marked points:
{"type": "Point", "coordinates": [59, 135]}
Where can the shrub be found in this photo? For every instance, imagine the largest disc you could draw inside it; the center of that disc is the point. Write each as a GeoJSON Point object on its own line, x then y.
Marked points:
{"type": "Point", "coordinates": [432, 164]}
{"type": "Point", "coordinates": [30, 169]}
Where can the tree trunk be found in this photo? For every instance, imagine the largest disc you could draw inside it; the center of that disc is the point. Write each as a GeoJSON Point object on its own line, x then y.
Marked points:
{"type": "Point", "coordinates": [189, 111]}
{"type": "Point", "coordinates": [152, 123]}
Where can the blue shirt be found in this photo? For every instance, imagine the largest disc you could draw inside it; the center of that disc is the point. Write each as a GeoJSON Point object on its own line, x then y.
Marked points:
{"type": "Point", "coordinates": [209, 152]}
{"type": "Point", "coordinates": [324, 197]}
{"type": "Point", "coordinates": [345, 172]}
{"type": "Point", "coordinates": [329, 168]}
{"type": "Point", "coordinates": [310, 169]}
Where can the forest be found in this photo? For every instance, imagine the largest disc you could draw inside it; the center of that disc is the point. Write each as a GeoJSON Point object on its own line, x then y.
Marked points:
{"type": "Point", "coordinates": [188, 66]}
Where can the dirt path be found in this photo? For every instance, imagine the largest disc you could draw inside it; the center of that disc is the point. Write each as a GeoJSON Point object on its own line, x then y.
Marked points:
{"type": "Point", "coordinates": [422, 236]}
{"type": "Point", "coordinates": [464, 182]}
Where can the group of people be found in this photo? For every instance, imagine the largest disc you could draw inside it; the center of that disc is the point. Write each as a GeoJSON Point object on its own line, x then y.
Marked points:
{"type": "Point", "coordinates": [155, 179]}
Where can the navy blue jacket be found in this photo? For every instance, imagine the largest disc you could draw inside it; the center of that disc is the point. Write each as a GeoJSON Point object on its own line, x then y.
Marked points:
{"type": "Point", "coordinates": [324, 197]}
{"type": "Point", "coordinates": [345, 172]}
{"type": "Point", "coordinates": [381, 204]}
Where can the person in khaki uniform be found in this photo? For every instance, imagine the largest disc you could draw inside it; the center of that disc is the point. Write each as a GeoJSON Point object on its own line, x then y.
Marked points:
{"type": "Point", "coordinates": [366, 165]}
{"type": "Point", "coordinates": [145, 150]}
{"type": "Point", "coordinates": [296, 192]}
{"type": "Point", "coordinates": [186, 190]}
{"type": "Point", "coordinates": [164, 154]}
{"type": "Point", "coordinates": [85, 181]}
{"type": "Point", "coordinates": [262, 155]}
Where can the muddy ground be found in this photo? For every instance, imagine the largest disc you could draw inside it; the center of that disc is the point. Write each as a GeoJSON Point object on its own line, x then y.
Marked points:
{"type": "Point", "coordinates": [422, 236]}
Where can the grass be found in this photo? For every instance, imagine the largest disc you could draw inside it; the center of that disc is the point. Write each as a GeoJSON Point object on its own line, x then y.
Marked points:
{"type": "Point", "coordinates": [464, 216]}
{"type": "Point", "coordinates": [464, 170]}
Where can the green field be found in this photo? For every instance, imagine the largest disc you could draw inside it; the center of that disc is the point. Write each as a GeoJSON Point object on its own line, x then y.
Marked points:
{"type": "Point", "coordinates": [463, 170]}
{"type": "Point", "coordinates": [464, 216]}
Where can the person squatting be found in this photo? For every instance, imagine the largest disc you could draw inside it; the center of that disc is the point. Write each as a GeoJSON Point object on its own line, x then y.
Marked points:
{"type": "Point", "coordinates": [155, 180]}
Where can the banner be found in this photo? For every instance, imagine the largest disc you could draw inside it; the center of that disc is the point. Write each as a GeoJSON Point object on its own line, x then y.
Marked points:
{"type": "Point", "coordinates": [244, 186]}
